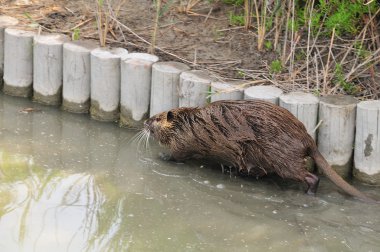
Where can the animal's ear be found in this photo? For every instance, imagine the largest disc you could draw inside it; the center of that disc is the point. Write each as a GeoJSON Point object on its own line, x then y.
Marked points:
{"type": "Point", "coordinates": [169, 116]}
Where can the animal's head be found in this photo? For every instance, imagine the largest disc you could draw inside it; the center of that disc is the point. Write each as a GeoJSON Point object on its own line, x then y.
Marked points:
{"type": "Point", "coordinates": [161, 126]}
{"type": "Point", "coordinates": [167, 125]}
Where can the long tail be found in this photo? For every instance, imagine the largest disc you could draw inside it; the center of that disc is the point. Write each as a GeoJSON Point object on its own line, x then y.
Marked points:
{"type": "Point", "coordinates": [336, 179]}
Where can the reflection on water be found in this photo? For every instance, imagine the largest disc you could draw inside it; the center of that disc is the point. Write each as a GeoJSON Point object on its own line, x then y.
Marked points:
{"type": "Point", "coordinates": [71, 184]}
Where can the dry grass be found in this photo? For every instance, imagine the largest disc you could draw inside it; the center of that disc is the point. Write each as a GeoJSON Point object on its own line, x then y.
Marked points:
{"type": "Point", "coordinates": [328, 65]}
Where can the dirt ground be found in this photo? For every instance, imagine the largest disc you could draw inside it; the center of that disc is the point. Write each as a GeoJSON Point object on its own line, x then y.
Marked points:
{"type": "Point", "coordinates": [202, 38]}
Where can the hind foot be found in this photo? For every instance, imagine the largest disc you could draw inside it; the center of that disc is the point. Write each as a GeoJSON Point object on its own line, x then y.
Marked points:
{"type": "Point", "coordinates": [312, 182]}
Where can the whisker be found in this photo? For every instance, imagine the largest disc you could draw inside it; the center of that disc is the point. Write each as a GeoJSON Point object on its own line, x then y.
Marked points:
{"type": "Point", "coordinates": [147, 147]}
{"type": "Point", "coordinates": [143, 139]}
{"type": "Point", "coordinates": [135, 137]}
{"type": "Point", "coordinates": [147, 143]}
{"type": "Point", "coordinates": [140, 140]}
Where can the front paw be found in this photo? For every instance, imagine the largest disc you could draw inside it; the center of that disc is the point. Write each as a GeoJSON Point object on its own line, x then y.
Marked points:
{"type": "Point", "coordinates": [165, 156]}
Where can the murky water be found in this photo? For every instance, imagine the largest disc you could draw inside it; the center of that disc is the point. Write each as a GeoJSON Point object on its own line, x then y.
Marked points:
{"type": "Point", "coordinates": [71, 184]}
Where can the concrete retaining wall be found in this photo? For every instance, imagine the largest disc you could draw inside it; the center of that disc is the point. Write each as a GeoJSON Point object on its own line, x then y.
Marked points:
{"type": "Point", "coordinates": [266, 93]}
{"type": "Point", "coordinates": [48, 66]}
{"type": "Point", "coordinates": [105, 79]}
{"type": "Point", "coordinates": [105, 83]}
{"type": "Point", "coordinates": [18, 62]}
{"type": "Point", "coordinates": [5, 21]}
{"type": "Point", "coordinates": [367, 142]}
{"type": "Point", "coordinates": [77, 76]}
{"type": "Point", "coordinates": [337, 131]}
{"type": "Point", "coordinates": [136, 76]}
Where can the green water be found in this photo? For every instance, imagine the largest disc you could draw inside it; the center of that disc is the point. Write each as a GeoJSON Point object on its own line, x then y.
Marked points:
{"type": "Point", "coordinates": [71, 184]}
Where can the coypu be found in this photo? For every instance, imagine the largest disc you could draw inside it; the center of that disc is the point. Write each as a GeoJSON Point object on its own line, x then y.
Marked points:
{"type": "Point", "coordinates": [257, 137]}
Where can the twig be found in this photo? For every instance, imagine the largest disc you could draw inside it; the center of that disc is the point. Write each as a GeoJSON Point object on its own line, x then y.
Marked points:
{"type": "Point", "coordinates": [113, 16]}
{"type": "Point", "coordinates": [317, 126]}
{"type": "Point", "coordinates": [292, 41]}
{"type": "Point", "coordinates": [316, 71]}
{"type": "Point", "coordinates": [285, 39]}
{"type": "Point", "coordinates": [247, 13]}
{"type": "Point", "coordinates": [195, 57]}
{"type": "Point", "coordinates": [328, 62]}
{"type": "Point", "coordinates": [373, 59]}
{"type": "Point", "coordinates": [146, 42]}
{"type": "Point", "coordinates": [69, 10]}
{"type": "Point", "coordinates": [82, 23]}
{"type": "Point", "coordinates": [308, 45]}
{"type": "Point", "coordinates": [154, 34]}
{"type": "Point", "coordinates": [191, 13]}
{"type": "Point", "coordinates": [208, 15]}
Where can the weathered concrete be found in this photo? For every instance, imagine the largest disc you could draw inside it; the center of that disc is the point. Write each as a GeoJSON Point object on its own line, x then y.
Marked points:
{"type": "Point", "coordinates": [337, 131]}
{"type": "Point", "coordinates": [304, 106]}
{"type": "Point", "coordinates": [226, 91]}
{"type": "Point", "coordinates": [5, 21]}
{"type": "Point", "coordinates": [265, 93]}
{"type": "Point", "coordinates": [136, 78]}
{"type": "Point", "coordinates": [367, 142]}
{"type": "Point", "coordinates": [48, 66]}
{"type": "Point", "coordinates": [105, 83]}
{"type": "Point", "coordinates": [165, 86]}
{"type": "Point", "coordinates": [77, 76]}
{"type": "Point", "coordinates": [194, 88]}
{"type": "Point", "coordinates": [99, 114]}
{"type": "Point", "coordinates": [18, 62]}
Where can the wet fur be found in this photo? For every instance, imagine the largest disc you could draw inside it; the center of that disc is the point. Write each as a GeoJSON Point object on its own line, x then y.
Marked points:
{"type": "Point", "coordinates": [256, 136]}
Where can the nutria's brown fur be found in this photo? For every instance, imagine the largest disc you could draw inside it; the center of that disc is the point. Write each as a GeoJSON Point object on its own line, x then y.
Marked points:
{"type": "Point", "coordinates": [255, 136]}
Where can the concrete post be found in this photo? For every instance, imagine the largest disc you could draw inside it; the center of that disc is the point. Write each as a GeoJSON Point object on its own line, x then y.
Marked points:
{"type": "Point", "coordinates": [265, 93]}
{"type": "Point", "coordinates": [165, 86]}
{"type": "Point", "coordinates": [226, 91]}
{"type": "Point", "coordinates": [305, 107]}
{"type": "Point", "coordinates": [337, 131]}
{"type": "Point", "coordinates": [47, 68]}
{"type": "Point", "coordinates": [77, 76]}
{"type": "Point", "coordinates": [367, 143]}
{"type": "Point", "coordinates": [105, 83]}
{"type": "Point", "coordinates": [194, 88]}
{"type": "Point", "coordinates": [5, 21]}
{"type": "Point", "coordinates": [18, 62]}
{"type": "Point", "coordinates": [136, 78]}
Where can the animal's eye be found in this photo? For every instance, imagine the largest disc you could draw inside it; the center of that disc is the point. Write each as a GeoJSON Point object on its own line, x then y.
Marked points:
{"type": "Point", "coordinates": [158, 119]}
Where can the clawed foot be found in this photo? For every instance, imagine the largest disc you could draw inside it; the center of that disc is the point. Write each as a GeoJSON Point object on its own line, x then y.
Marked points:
{"type": "Point", "coordinates": [165, 156]}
